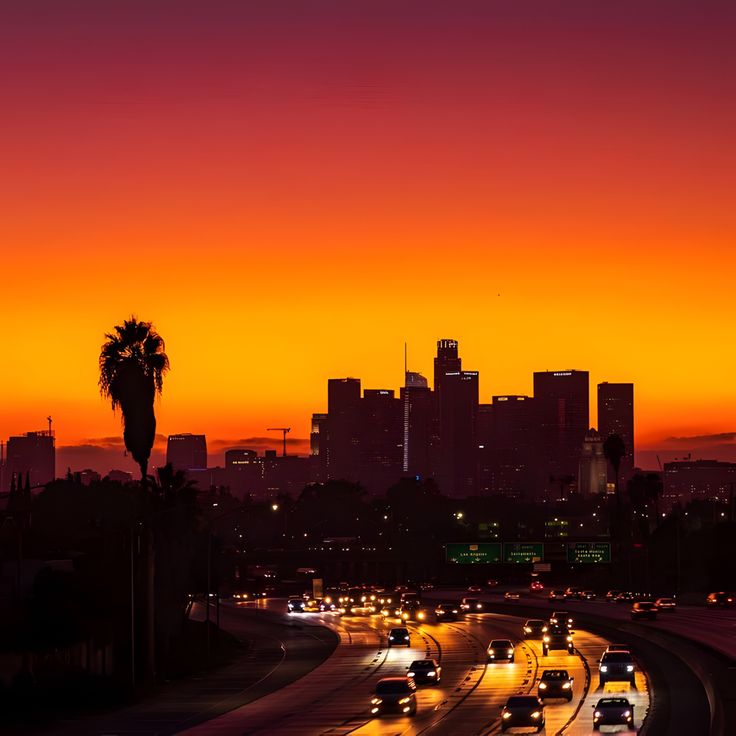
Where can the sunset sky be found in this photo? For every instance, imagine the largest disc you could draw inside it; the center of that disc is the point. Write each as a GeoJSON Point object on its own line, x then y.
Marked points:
{"type": "Point", "coordinates": [290, 190]}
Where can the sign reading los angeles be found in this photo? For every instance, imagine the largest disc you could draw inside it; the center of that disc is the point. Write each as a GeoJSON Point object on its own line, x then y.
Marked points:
{"type": "Point", "coordinates": [471, 553]}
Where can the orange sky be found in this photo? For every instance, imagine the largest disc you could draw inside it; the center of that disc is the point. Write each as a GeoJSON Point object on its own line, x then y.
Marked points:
{"type": "Point", "coordinates": [290, 195]}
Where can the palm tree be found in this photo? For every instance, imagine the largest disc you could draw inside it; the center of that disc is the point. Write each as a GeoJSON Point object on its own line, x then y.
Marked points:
{"type": "Point", "coordinates": [132, 368]}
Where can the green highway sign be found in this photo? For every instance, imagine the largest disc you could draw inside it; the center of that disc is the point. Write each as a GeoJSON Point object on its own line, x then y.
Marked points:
{"type": "Point", "coordinates": [584, 552]}
{"type": "Point", "coordinates": [470, 553]}
{"type": "Point", "coordinates": [525, 552]}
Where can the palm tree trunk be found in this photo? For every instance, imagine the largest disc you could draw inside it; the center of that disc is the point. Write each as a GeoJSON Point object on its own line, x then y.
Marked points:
{"type": "Point", "coordinates": [150, 589]}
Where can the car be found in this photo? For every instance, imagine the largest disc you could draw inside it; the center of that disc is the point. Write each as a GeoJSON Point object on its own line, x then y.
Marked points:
{"type": "Point", "coordinates": [557, 637]}
{"type": "Point", "coordinates": [394, 695]}
{"type": "Point", "coordinates": [511, 595]}
{"type": "Point", "coordinates": [624, 597]}
{"type": "Point", "coordinates": [399, 637]}
{"type": "Point", "coordinates": [475, 589]}
{"type": "Point", "coordinates": [573, 593]}
{"type": "Point", "coordinates": [612, 595]}
{"type": "Point", "coordinates": [491, 583]}
{"type": "Point", "coordinates": [536, 585]}
{"type": "Point", "coordinates": [534, 628]}
{"type": "Point", "coordinates": [616, 667]}
{"type": "Point", "coordinates": [426, 586]}
{"type": "Point", "coordinates": [556, 595]}
{"type": "Point", "coordinates": [613, 712]}
{"type": "Point", "coordinates": [522, 710]}
{"type": "Point", "coordinates": [563, 618]}
{"type": "Point", "coordinates": [295, 605]}
{"type": "Point", "coordinates": [666, 604]}
{"type": "Point", "coordinates": [447, 612]}
{"type": "Point", "coordinates": [414, 612]}
{"type": "Point", "coordinates": [589, 595]}
{"type": "Point", "coordinates": [500, 650]}
{"type": "Point", "coordinates": [644, 610]}
{"type": "Point", "coordinates": [472, 605]}
{"type": "Point", "coordinates": [555, 684]}
{"type": "Point", "coordinates": [719, 600]}
{"type": "Point", "coordinates": [425, 671]}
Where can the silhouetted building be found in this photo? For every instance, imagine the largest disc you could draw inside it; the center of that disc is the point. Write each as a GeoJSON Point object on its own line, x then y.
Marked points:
{"type": "Point", "coordinates": [561, 401]}
{"type": "Point", "coordinates": [447, 361]}
{"type": "Point", "coordinates": [484, 435]}
{"type": "Point", "coordinates": [87, 476]}
{"type": "Point", "coordinates": [693, 480]}
{"type": "Point", "coordinates": [458, 445]}
{"type": "Point", "coordinates": [381, 432]}
{"type": "Point", "coordinates": [187, 451]}
{"type": "Point", "coordinates": [32, 454]}
{"type": "Point", "coordinates": [593, 473]}
{"type": "Point", "coordinates": [318, 447]}
{"type": "Point", "coordinates": [616, 416]}
{"type": "Point", "coordinates": [343, 428]}
{"type": "Point", "coordinates": [119, 476]}
{"type": "Point", "coordinates": [418, 410]}
{"type": "Point", "coordinates": [512, 442]}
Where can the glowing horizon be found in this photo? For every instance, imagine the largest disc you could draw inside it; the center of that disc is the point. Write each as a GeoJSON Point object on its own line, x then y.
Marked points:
{"type": "Point", "coordinates": [290, 202]}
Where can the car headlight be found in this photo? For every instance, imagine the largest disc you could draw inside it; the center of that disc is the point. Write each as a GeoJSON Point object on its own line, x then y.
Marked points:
{"type": "Point", "coordinates": [542, 685]}
{"type": "Point", "coordinates": [376, 701]}
{"type": "Point", "coordinates": [406, 638]}
{"type": "Point", "coordinates": [432, 674]}
{"type": "Point", "coordinates": [420, 616]}
{"type": "Point", "coordinates": [627, 714]}
{"type": "Point", "coordinates": [479, 606]}
{"type": "Point", "coordinates": [569, 638]}
{"type": "Point", "coordinates": [597, 714]}
{"type": "Point", "coordinates": [374, 710]}
{"type": "Point", "coordinates": [506, 714]}
{"type": "Point", "coordinates": [454, 610]}
{"type": "Point", "coordinates": [629, 667]}
{"type": "Point", "coordinates": [604, 668]}
{"type": "Point", "coordinates": [405, 616]}
{"type": "Point", "coordinates": [404, 701]}
{"type": "Point", "coordinates": [536, 714]}
{"type": "Point", "coordinates": [566, 686]}
{"type": "Point", "coordinates": [546, 640]}
{"type": "Point", "coordinates": [411, 674]}
{"type": "Point", "coordinates": [545, 628]}
{"type": "Point", "coordinates": [527, 630]}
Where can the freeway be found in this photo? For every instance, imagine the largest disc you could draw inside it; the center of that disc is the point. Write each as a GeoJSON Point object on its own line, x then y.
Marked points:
{"type": "Point", "coordinates": [333, 699]}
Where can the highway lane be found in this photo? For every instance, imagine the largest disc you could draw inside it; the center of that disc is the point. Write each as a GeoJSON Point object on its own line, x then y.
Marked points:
{"type": "Point", "coordinates": [334, 698]}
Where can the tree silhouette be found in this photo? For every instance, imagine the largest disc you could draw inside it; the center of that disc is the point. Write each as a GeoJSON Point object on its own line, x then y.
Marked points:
{"type": "Point", "coordinates": [132, 368]}
{"type": "Point", "coordinates": [614, 450]}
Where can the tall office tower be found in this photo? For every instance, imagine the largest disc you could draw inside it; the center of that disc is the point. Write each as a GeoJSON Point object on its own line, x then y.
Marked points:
{"type": "Point", "coordinates": [458, 450]}
{"type": "Point", "coordinates": [561, 402]}
{"type": "Point", "coordinates": [187, 451]}
{"type": "Point", "coordinates": [318, 447]}
{"type": "Point", "coordinates": [616, 416]}
{"type": "Point", "coordinates": [484, 436]}
{"type": "Point", "coordinates": [593, 474]}
{"type": "Point", "coordinates": [447, 361]}
{"type": "Point", "coordinates": [343, 428]}
{"type": "Point", "coordinates": [418, 416]}
{"type": "Point", "coordinates": [381, 439]}
{"type": "Point", "coordinates": [32, 454]}
{"type": "Point", "coordinates": [513, 436]}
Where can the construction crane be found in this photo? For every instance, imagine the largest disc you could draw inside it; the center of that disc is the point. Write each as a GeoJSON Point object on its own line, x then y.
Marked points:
{"type": "Point", "coordinates": [285, 430]}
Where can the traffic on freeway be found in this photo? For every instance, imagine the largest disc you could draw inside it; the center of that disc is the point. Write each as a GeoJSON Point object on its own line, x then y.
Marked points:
{"type": "Point", "coordinates": [476, 673]}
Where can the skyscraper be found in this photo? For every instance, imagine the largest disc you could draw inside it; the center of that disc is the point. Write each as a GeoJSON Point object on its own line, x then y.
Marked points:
{"type": "Point", "coordinates": [561, 400]}
{"type": "Point", "coordinates": [343, 428]}
{"type": "Point", "coordinates": [616, 416]}
{"type": "Point", "coordinates": [32, 454]}
{"type": "Point", "coordinates": [458, 450]}
{"type": "Point", "coordinates": [381, 439]}
{"type": "Point", "coordinates": [447, 361]}
{"type": "Point", "coordinates": [418, 416]}
{"type": "Point", "coordinates": [593, 475]}
{"type": "Point", "coordinates": [512, 443]}
{"type": "Point", "coordinates": [187, 451]}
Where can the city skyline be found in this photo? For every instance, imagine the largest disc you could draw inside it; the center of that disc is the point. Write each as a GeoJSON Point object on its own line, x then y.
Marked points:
{"type": "Point", "coordinates": [546, 187]}
{"type": "Point", "coordinates": [102, 454]}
